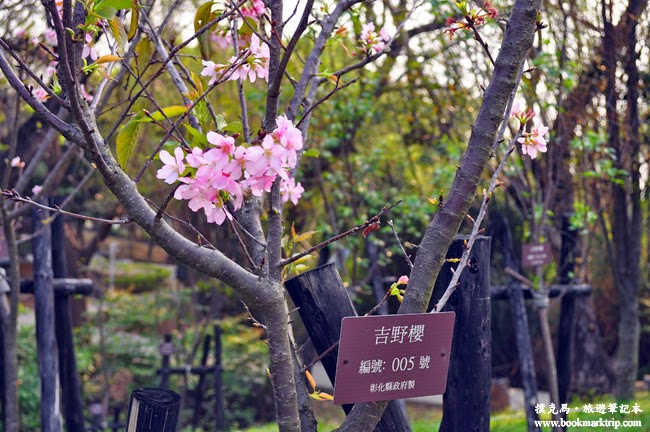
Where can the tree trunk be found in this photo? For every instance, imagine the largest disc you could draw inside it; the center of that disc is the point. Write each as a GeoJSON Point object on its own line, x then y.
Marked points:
{"type": "Point", "coordinates": [10, 405]}
{"type": "Point", "coordinates": [275, 317]}
{"type": "Point", "coordinates": [626, 210]}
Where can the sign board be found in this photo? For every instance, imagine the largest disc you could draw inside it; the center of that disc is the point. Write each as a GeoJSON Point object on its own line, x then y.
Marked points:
{"type": "Point", "coordinates": [393, 357]}
{"type": "Point", "coordinates": [167, 348]}
{"type": "Point", "coordinates": [535, 254]}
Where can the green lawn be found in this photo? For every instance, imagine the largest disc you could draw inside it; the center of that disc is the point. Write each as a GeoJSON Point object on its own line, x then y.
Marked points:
{"type": "Point", "coordinates": [427, 419]}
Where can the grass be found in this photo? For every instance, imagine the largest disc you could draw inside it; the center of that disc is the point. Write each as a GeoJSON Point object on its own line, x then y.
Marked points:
{"type": "Point", "coordinates": [427, 418]}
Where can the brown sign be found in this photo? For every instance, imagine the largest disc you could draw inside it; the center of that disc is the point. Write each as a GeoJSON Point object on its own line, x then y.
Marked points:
{"type": "Point", "coordinates": [535, 254]}
{"type": "Point", "coordinates": [393, 357]}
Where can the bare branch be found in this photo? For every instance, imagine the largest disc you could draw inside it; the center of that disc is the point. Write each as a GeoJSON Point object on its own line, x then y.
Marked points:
{"type": "Point", "coordinates": [399, 243]}
{"type": "Point", "coordinates": [373, 220]}
{"type": "Point", "coordinates": [35, 77]}
{"type": "Point", "coordinates": [66, 129]}
{"type": "Point", "coordinates": [487, 194]}
{"type": "Point", "coordinates": [15, 196]}
{"type": "Point", "coordinates": [324, 99]}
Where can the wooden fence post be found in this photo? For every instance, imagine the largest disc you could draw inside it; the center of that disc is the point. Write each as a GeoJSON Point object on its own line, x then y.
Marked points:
{"type": "Point", "coordinates": [524, 348]}
{"type": "Point", "coordinates": [466, 403]}
{"type": "Point", "coordinates": [565, 330]}
{"type": "Point", "coordinates": [70, 382]}
{"type": "Point", "coordinates": [166, 351]}
{"type": "Point", "coordinates": [153, 410]}
{"type": "Point", "coordinates": [520, 322]}
{"type": "Point", "coordinates": [198, 392]}
{"type": "Point", "coordinates": [220, 422]}
{"type": "Point", "coordinates": [48, 361]}
{"type": "Point", "coordinates": [324, 302]}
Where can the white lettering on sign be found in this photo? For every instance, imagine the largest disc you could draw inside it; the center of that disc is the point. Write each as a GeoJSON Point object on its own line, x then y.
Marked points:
{"type": "Point", "coordinates": [416, 333]}
{"type": "Point", "coordinates": [381, 335]}
{"type": "Point", "coordinates": [371, 366]}
{"type": "Point", "coordinates": [399, 334]}
{"type": "Point", "coordinates": [392, 386]}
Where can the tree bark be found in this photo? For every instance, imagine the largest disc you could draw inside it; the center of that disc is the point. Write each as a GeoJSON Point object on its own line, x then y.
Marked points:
{"type": "Point", "coordinates": [282, 374]}
{"type": "Point", "coordinates": [626, 210]}
{"type": "Point", "coordinates": [8, 318]}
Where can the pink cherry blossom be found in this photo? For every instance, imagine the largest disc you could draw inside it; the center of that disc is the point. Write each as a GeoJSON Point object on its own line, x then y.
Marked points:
{"type": "Point", "coordinates": [195, 159]}
{"type": "Point", "coordinates": [403, 280]}
{"type": "Point", "coordinates": [259, 59]}
{"type": "Point", "coordinates": [215, 160]}
{"type": "Point", "coordinates": [222, 37]}
{"type": "Point", "coordinates": [20, 32]}
{"type": "Point", "coordinates": [371, 41]}
{"type": "Point", "coordinates": [383, 34]}
{"type": "Point", "coordinates": [173, 167]}
{"type": "Point", "coordinates": [50, 37]}
{"type": "Point", "coordinates": [255, 10]}
{"type": "Point", "coordinates": [87, 96]}
{"type": "Point", "coordinates": [266, 159]}
{"type": "Point", "coordinates": [40, 94]}
{"type": "Point", "coordinates": [224, 143]}
{"type": "Point", "coordinates": [217, 213]}
{"type": "Point", "coordinates": [367, 30]}
{"type": "Point", "coordinates": [50, 70]}
{"type": "Point", "coordinates": [290, 190]}
{"type": "Point", "coordinates": [255, 66]}
{"type": "Point", "coordinates": [17, 163]}
{"type": "Point", "coordinates": [213, 70]}
{"type": "Point", "coordinates": [241, 71]}
{"type": "Point", "coordinates": [519, 112]}
{"type": "Point", "coordinates": [283, 124]}
{"type": "Point", "coordinates": [292, 142]}
{"type": "Point", "coordinates": [533, 142]}
{"type": "Point", "coordinates": [37, 189]}
{"type": "Point", "coordinates": [89, 49]}
{"type": "Point", "coordinates": [202, 198]}
{"type": "Point", "coordinates": [259, 184]}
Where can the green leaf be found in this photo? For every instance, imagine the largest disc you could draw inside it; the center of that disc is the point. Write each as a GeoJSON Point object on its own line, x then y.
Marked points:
{"type": "Point", "coordinates": [221, 122]}
{"type": "Point", "coordinates": [144, 50]}
{"type": "Point", "coordinates": [234, 127]}
{"type": "Point", "coordinates": [115, 4]}
{"type": "Point", "coordinates": [312, 152]}
{"type": "Point", "coordinates": [107, 59]}
{"type": "Point", "coordinates": [171, 111]}
{"type": "Point", "coordinates": [135, 17]}
{"type": "Point", "coordinates": [246, 29]}
{"type": "Point", "coordinates": [203, 16]}
{"type": "Point", "coordinates": [304, 236]}
{"type": "Point", "coordinates": [118, 31]}
{"type": "Point", "coordinates": [127, 139]}
{"type": "Point", "coordinates": [105, 12]}
{"type": "Point", "coordinates": [198, 138]}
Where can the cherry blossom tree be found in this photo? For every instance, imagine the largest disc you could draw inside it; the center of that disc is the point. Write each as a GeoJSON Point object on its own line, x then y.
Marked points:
{"type": "Point", "coordinates": [241, 174]}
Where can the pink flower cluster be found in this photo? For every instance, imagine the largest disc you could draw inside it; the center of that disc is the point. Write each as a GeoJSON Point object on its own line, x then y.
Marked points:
{"type": "Point", "coordinates": [255, 66]}
{"type": "Point", "coordinates": [254, 10]}
{"type": "Point", "coordinates": [532, 142]}
{"type": "Point", "coordinates": [89, 48]}
{"type": "Point", "coordinates": [371, 41]}
{"type": "Point", "coordinates": [224, 172]}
